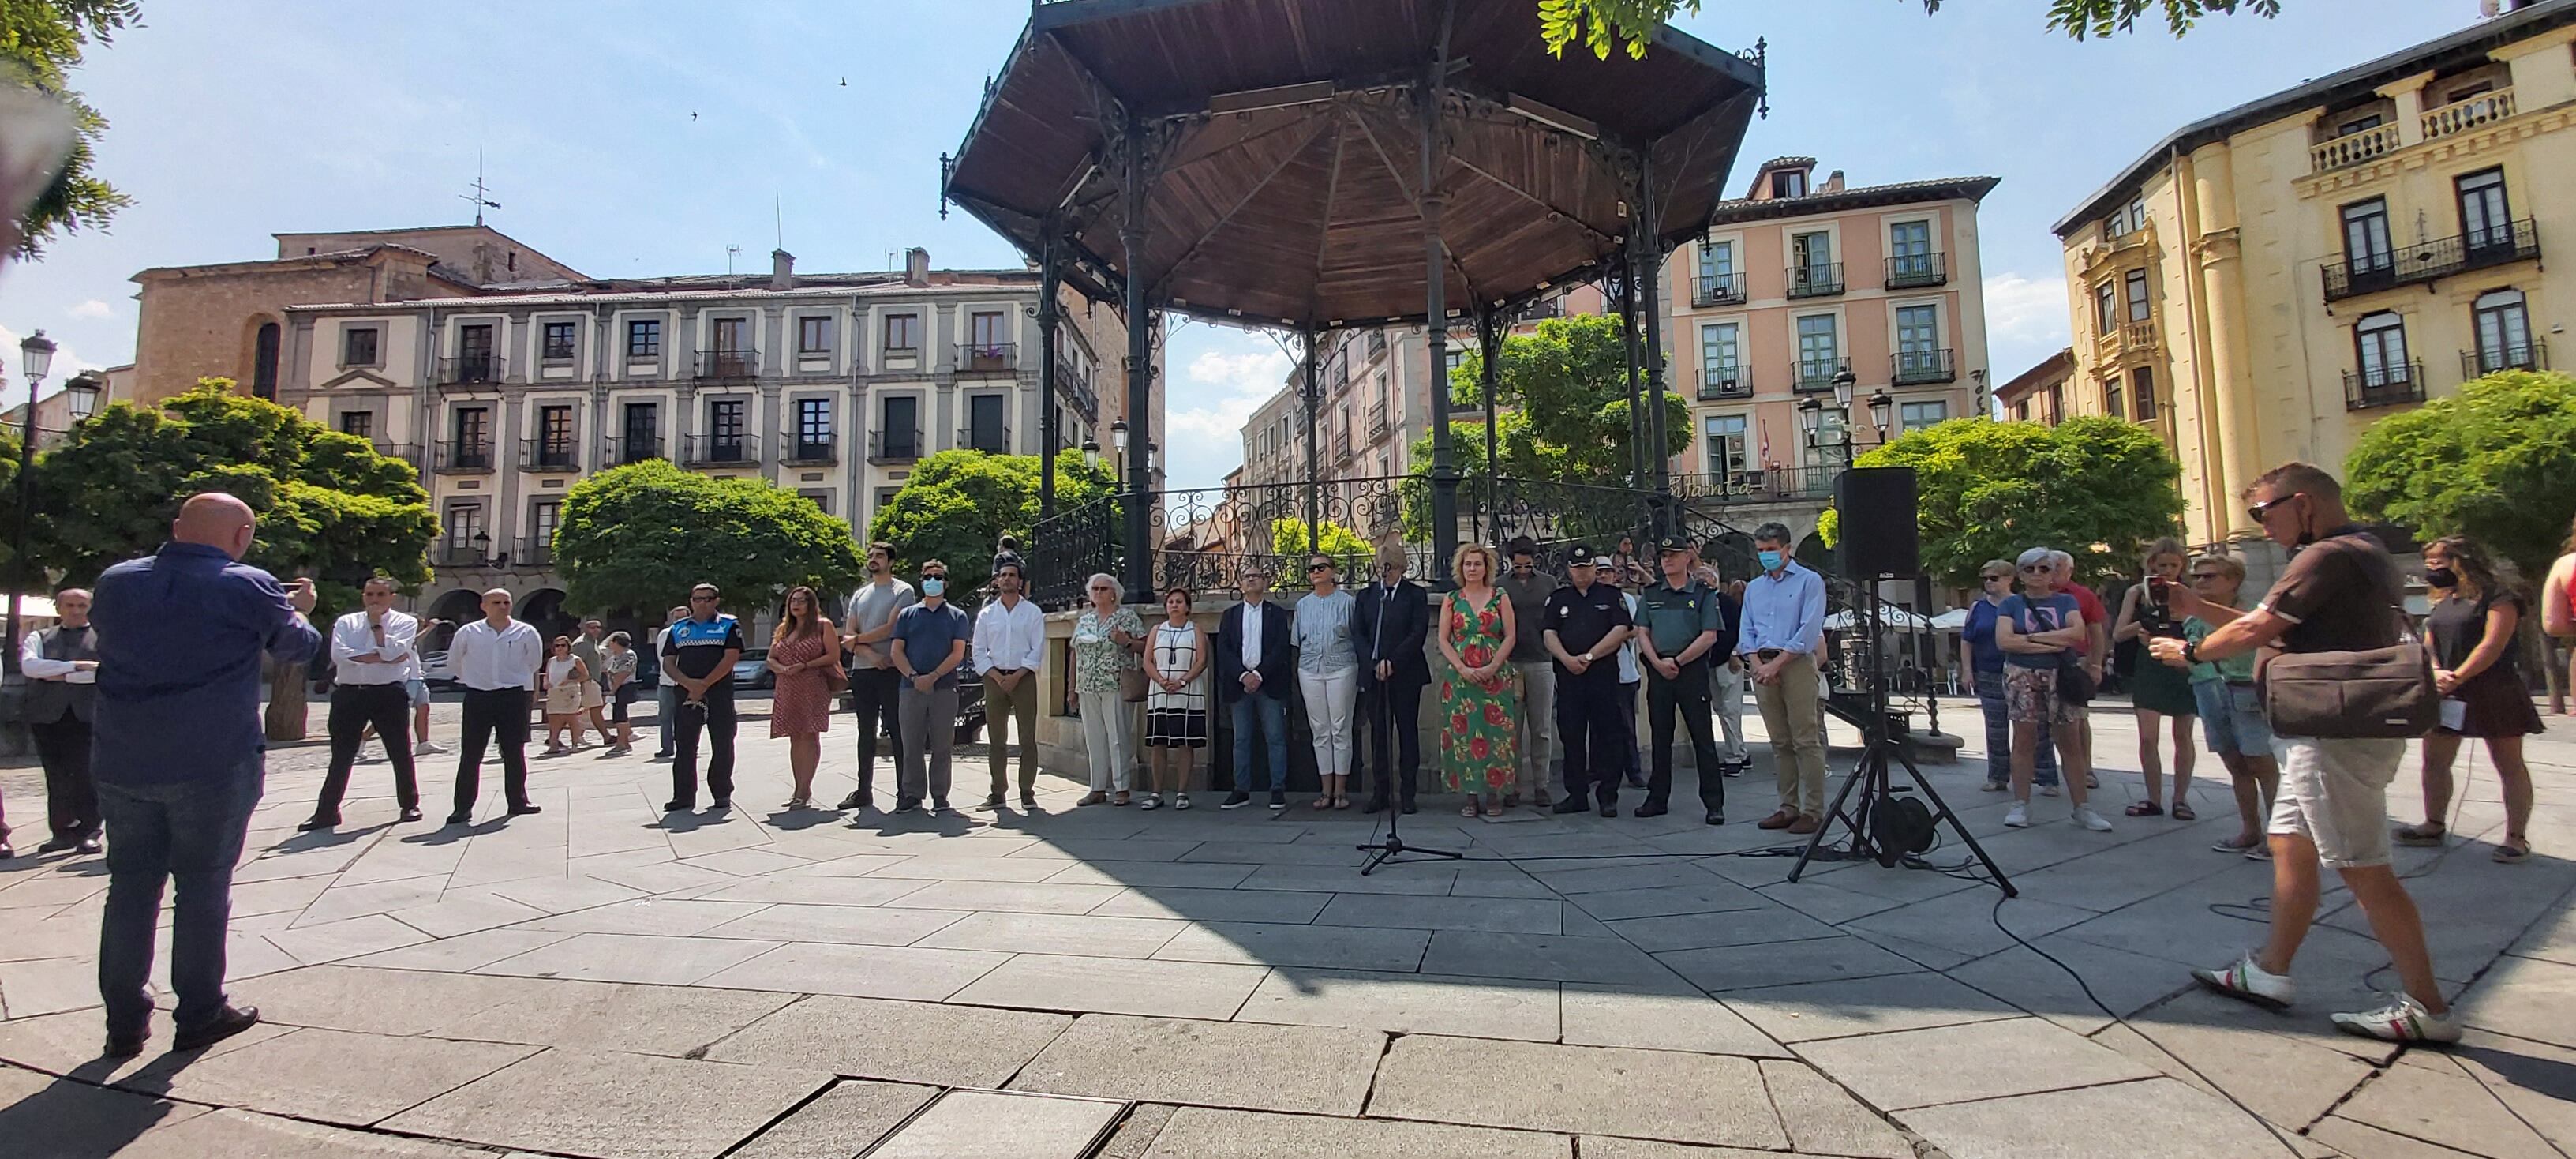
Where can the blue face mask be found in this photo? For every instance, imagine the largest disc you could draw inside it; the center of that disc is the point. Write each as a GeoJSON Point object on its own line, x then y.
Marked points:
{"type": "Point", "coordinates": [932, 585]}
{"type": "Point", "coordinates": [1770, 560]}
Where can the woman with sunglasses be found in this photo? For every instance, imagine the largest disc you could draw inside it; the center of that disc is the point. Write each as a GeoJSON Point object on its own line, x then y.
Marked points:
{"type": "Point", "coordinates": [2231, 709]}
{"type": "Point", "coordinates": [1328, 674]}
{"type": "Point", "coordinates": [2476, 617]}
{"type": "Point", "coordinates": [1106, 639]}
{"type": "Point", "coordinates": [2038, 631]}
{"type": "Point", "coordinates": [1995, 581]}
{"type": "Point", "coordinates": [2158, 692]}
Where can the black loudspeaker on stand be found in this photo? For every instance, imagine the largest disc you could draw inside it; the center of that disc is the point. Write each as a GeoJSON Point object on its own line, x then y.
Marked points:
{"type": "Point", "coordinates": [1382, 719]}
{"type": "Point", "coordinates": [1876, 506]}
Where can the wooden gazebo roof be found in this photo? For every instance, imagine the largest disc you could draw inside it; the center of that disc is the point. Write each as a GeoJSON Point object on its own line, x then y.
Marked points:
{"type": "Point", "coordinates": [1285, 144]}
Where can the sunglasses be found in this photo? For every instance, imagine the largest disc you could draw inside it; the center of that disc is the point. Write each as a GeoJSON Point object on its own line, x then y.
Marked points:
{"type": "Point", "coordinates": [702, 599]}
{"type": "Point", "coordinates": [2039, 569]}
{"type": "Point", "coordinates": [2259, 510]}
{"type": "Point", "coordinates": [1319, 567]}
{"type": "Point", "coordinates": [1993, 576]}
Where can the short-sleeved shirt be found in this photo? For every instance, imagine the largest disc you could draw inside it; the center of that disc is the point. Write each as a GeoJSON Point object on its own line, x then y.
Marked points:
{"type": "Point", "coordinates": [874, 606]}
{"type": "Point", "coordinates": [693, 647]}
{"type": "Point", "coordinates": [1672, 617]}
{"type": "Point", "coordinates": [1581, 619]}
{"type": "Point", "coordinates": [1321, 627]}
{"type": "Point", "coordinates": [1529, 603]}
{"type": "Point", "coordinates": [2338, 595]}
{"type": "Point", "coordinates": [2234, 669]}
{"type": "Point", "coordinates": [1098, 659]}
{"type": "Point", "coordinates": [928, 634]}
{"type": "Point", "coordinates": [2458, 626]}
{"type": "Point", "coordinates": [593, 655]}
{"type": "Point", "coordinates": [2094, 613]}
{"type": "Point", "coordinates": [2032, 615]}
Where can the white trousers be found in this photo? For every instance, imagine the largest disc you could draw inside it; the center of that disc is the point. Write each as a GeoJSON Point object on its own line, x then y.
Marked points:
{"type": "Point", "coordinates": [1106, 739]}
{"type": "Point", "coordinates": [1328, 717]}
{"type": "Point", "coordinates": [1726, 688]}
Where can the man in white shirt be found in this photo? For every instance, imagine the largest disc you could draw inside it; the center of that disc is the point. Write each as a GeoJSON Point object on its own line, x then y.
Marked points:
{"type": "Point", "coordinates": [496, 658]}
{"type": "Point", "coordinates": [1010, 645]}
{"type": "Point", "coordinates": [666, 695]}
{"type": "Point", "coordinates": [372, 658]}
{"type": "Point", "coordinates": [61, 666]}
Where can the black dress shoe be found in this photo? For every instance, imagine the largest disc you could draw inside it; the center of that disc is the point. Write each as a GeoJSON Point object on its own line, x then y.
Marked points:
{"type": "Point", "coordinates": [231, 1020]}
{"type": "Point", "coordinates": [524, 810]}
{"type": "Point", "coordinates": [1028, 802]}
{"type": "Point", "coordinates": [6, 852]}
{"type": "Point", "coordinates": [904, 805]}
{"type": "Point", "coordinates": [1407, 808]}
{"type": "Point", "coordinates": [723, 803]}
{"type": "Point", "coordinates": [1650, 809]}
{"type": "Point", "coordinates": [411, 814]}
{"type": "Point", "coordinates": [88, 846]}
{"type": "Point", "coordinates": [1571, 805]}
{"type": "Point", "coordinates": [460, 818]}
{"type": "Point", "coordinates": [313, 823]}
{"type": "Point", "coordinates": [123, 1046]}
{"type": "Point", "coordinates": [1716, 818]}
{"type": "Point", "coordinates": [1375, 805]}
{"type": "Point", "coordinates": [859, 800]}
{"type": "Point", "coordinates": [1610, 808]}
{"type": "Point", "coordinates": [57, 845]}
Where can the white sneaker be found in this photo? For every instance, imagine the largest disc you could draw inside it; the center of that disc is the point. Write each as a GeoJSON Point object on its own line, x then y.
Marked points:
{"type": "Point", "coordinates": [1150, 803]}
{"type": "Point", "coordinates": [2048, 790]}
{"type": "Point", "coordinates": [2019, 818]}
{"type": "Point", "coordinates": [427, 747]}
{"type": "Point", "coordinates": [1180, 800]}
{"type": "Point", "coordinates": [2089, 819]}
{"type": "Point", "coordinates": [2252, 983]}
{"type": "Point", "coordinates": [2404, 1020]}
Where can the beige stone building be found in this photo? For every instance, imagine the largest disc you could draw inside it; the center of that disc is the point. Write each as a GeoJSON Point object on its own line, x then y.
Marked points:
{"type": "Point", "coordinates": [2266, 283]}
{"type": "Point", "coordinates": [2039, 394]}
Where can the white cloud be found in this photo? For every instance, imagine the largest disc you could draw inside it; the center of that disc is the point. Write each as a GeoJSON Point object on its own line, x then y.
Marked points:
{"type": "Point", "coordinates": [2026, 311]}
{"type": "Point", "coordinates": [93, 308]}
{"type": "Point", "coordinates": [1226, 376]}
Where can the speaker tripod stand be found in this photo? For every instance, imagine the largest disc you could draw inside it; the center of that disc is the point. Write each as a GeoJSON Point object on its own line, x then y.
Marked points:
{"type": "Point", "coordinates": [1878, 824]}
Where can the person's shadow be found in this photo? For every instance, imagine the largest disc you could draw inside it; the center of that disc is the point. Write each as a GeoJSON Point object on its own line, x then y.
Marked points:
{"type": "Point", "coordinates": [76, 1117]}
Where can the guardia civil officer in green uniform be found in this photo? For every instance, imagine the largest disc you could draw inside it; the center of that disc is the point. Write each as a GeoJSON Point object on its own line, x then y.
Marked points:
{"type": "Point", "coordinates": [1678, 625]}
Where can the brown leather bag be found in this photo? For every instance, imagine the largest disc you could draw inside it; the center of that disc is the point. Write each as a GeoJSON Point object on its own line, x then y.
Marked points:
{"type": "Point", "coordinates": [2384, 693]}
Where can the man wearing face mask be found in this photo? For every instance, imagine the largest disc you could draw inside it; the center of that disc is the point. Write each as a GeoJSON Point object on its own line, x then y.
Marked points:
{"type": "Point", "coordinates": [927, 645]}
{"type": "Point", "coordinates": [874, 686]}
{"type": "Point", "coordinates": [1784, 623]}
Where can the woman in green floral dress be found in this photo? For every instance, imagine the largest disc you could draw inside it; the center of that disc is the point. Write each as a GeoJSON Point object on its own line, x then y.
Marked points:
{"type": "Point", "coordinates": [1476, 628]}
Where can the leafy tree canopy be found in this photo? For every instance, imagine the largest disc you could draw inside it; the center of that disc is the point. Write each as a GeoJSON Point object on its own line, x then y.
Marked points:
{"type": "Point", "coordinates": [639, 536]}
{"type": "Point", "coordinates": [45, 39]}
{"type": "Point", "coordinates": [1348, 551]}
{"type": "Point", "coordinates": [2094, 487]}
{"type": "Point", "coordinates": [1567, 386]}
{"type": "Point", "coordinates": [958, 504]}
{"type": "Point", "coordinates": [2496, 462]}
{"type": "Point", "coordinates": [1628, 24]}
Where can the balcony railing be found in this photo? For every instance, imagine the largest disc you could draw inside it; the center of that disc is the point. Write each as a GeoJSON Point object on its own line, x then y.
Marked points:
{"type": "Point", "coordinates": [1912, 271]}
{"type": "Point", "coordinates": [809, 451]}
{"type": "Point", "coordinates": [451, 554]}
{"type": "Point", "coordinates": [895, 446]}
{"type": "Point", "coordinates": [471, 370]}
{"type": "Point", "coordinates": [1377, 344]}
{"type": "Point", "coordinates": [720, 450]}
{"type": "Point", "coordinates": [2386, 386]}
{"type": "Point", "coordinates": [535, 553]}
{"type": "Point", "coordinates": [2510, 242]}
{"type": "Point", "coordinates": [407, 452]}
{"type": "Point", "coordinates": [1342, 446]}
{"type": "Point", "coordinates": [633, 449]}
{"type": "Point", "coordinates": [1916, 367]}
{"type": "Point", "coordinates": [1717, 290]}
{"type": "Point", "coordinates": [2352, 148]}
{"type": "Point", "coordinates": [1818, 373]}
{"type": "Point", "coordinates": [1758, 485]}
{"type": "Point", "coordinates": [2463, 115]}
{"type": "Point", "coordinates": [990, 438]}
{"type": "Point", "coordinates": [728, 365]}
{"type": "Point", "coordinates": [1816, 281]}
{"type": "Point", "coordinates": [1725, 380]}
{"type": "Point", "coordinates": [1543, 309]}
{"type": "Point", "coordinates": [1376, 423]}
{"type": "Point", "coordinates": [2532, 355]}
{"type": "Point", "coordinates": [455, 457]}
{"type": "Point", "coordinates": [545, 455]}
{"type": "Point", "coordinates": [987, 357]}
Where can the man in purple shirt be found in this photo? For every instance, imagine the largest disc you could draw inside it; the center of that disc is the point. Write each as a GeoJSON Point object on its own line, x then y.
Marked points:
{"type": "Point", "coordinates": [179, 757]}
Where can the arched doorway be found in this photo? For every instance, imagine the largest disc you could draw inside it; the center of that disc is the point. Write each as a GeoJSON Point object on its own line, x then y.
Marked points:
{"type": "Point", "coordinates": [544, 609]}
{"type": "Point", "coordinates": [458, 607]}
{"type": "Point", "coordinates": [1813, 552]}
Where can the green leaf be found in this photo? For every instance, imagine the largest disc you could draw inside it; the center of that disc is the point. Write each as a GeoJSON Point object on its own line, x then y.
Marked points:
{"type": "Point", "coordinates": [2495, 462]}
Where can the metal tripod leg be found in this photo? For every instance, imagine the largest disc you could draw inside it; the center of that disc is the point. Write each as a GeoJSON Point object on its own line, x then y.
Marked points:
{"type": "Point", "coordinates": [1941, 813]}
{"type": "Point", "coordinates": [1869, 775]}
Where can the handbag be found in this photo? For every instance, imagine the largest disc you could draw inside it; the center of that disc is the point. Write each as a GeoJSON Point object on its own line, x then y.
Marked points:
{"type": "Point", "coordinates": [2074, 684]}
{"type": "Point", "coordinates": [2384, 693]}
{"type": "Point", "coordinates": [1131, 684]}
{"type": "Point", "coordinates": [836, 678]}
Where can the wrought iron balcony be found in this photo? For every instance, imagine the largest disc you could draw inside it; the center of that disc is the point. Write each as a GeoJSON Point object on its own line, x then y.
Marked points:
{"type": "Point", "coordinates": [544, 455]}
{"type": "Point", "coordinates": [2386, 386]}
{"type": "Point", "coordinates": [805, 451]}
{"type": "Point", "coordinates": [720, 450]}
{"type": "Point", "coordinates": [2532, 355]}
{"type": "Point", "coordinates": [1913, 271]}
{"type": "Point", "coordinates": [728, 365]}
{"type": "Point", "coordinates": [1540, 310]}
{"type": "Point", "coordinates": [987, 358]}
{"type": "Point", "coordinates": [1725, 380]}
{"type": "Point", "coordinates": [1820, 280]}
{"type": "Point", "coordinates": [535, 553]}
{"type": "Point", "coordinates": [458, 457]}
{"type": "Point", "coordinates": [452, 554]}
{"type": "Point", "coordinates": [471, 370]}
{"type": "Point", "coordinates": [633, 449]}
{"type": "Point", "coordinates": [1916, 367]}
{"type": "Point", "coordinates": [2429, 261]}
{"type": "Point", "coordinates": [895, 446]}
{"type": "Point", "coordinates": [1717, 290]}
{"type": "Point", "coordinates": [1342, 446]}
{"type": "Point", "coordinates": [1377, 344]}
{"type": "Point", "coordinates": [407, 452]}
{"type": "Point", "coordinates": [1818, 373]}
{"type": "Point", "coordinates": [1758, 485]}
{"type": "Point", "coordinates": [991, 438]}
{"type": "Point", "coordinates": [1376, 423]}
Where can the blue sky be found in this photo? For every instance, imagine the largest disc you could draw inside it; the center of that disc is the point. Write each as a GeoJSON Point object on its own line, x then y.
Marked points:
{"type": "Point", "coordinates": [232, 121]}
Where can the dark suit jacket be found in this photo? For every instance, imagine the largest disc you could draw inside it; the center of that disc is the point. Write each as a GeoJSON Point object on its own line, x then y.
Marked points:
{"type": "Point", "coordinates": [1407, 624]}
{"type": "Point", "coordinates": [1278, 660]}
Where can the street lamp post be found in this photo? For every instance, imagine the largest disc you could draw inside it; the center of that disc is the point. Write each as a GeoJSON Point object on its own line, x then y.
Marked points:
{"type": "Point", "coordinates": [1118, 440]}
{"type": "Point", "coordinates": [37, 353]}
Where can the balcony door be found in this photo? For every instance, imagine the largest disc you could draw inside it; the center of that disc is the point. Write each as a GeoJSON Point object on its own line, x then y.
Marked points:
{"type": "Point", "coordinates": [1718, 365]}
{"type": "Point", "coordinates": [813, 428]}
{"type": "Point", "coordinates": [988, 338]}
{"type": "Point", "coordinates": [2504, 332]}
{"type": "Point", "coordinates": [2365, 237]}
{"type": "Point", "coordinates": [1918, 343]}
{"type": "Point", "coordinates": [984, 424]}
{"type": "Point", "coordinates": [900, 433]}
{"type": "Point", "coordinates": [643, 433]}
{"type": "Point", "coordinates": [473, 443]}
{"type": "Point", "coordinates": [1909, 246]}
{"type": "Point", "coordinates": [474, 353]}
{"type": "Point", "coordinates": [1726, 438]}
{"type": "Point", "coordinates": [1819, 350]}
{"type": "Point", "coordinates": [726, 420]}
{"type": "Point", "coordinates": [2380, 340]}
{"type": "Point", "coordinates": [464, 526]}
{"type": "Point", "coordinates": [2486, 220]}
{"type": "Point", "coordinates": [543, 516]}
{"type": "Point", "coordinates": [555, 436]}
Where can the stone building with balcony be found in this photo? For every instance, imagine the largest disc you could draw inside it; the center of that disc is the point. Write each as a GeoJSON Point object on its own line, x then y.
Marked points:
{"type": "Point", "coordinates": [2265, 283]}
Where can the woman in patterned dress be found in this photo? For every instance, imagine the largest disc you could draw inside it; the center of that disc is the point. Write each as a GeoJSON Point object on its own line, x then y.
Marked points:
{"type": "Point", "coordinates": [1176, 700]}
{"type": "Point", "coordinates": [800, 652]}
{"type": "Point", "coordinates": [1107, 637]}
{"type": "Point", "coordinates": [1476, 631]}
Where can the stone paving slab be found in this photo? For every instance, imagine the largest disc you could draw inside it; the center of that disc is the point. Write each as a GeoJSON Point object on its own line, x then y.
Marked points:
{"type": "Point", "coordinates": [912, 1042]}
{"type": "Point", "coordinates": [348, 938]}
{"type": "Point", "coordinates": [614, 1106]}
{"type": "Point", "coordinates": [1495, 915]}
{"type": "Point", "coordinates": [1116, 986]}
{"type": "Point", "coordinates": [858, 925]}
{"type": "Point", "coordinates": [2128, 982]}
{"type": "Point", "coordinates": [464, 952]}
{"type": "Point", "coordinates": [1702, 931]}
{"type": "Point", "coordinates": [48, 985]}
{"type": "Point", "coordinates": [633, 958]}
{"type": "Point", "coordinates": [231, 1134]}
{"type": "Point", "coordinates": [1823, 1119]}
{"type": "Point", "coordinates": [663, 917]}
{"type": "Point", "coordinates": [805, 889]}
{"type": "Point", "coordinates": [1096, 937]}
{"type": "Point", "coordinates": [1154, 874]}
{"type": "Point", "coordinates": [2284, 1078]}
{"type": "Point", "coordinates": [1245, 1065]}
{"type": "Point", "coordinates": [46, 1116]}
{"type": "Point", "coordinates": [2448, 1108]}
{"type": "Point", "coordinates": [1671, 1017]}
{"type": "Point", "coordinates": [1214, 905]}
{"type": "Point", "coordinates": [1007, 897]}
{"type": "Point", "coordinates": [2088, 1124]}
{"type": "Point", "coordinates": [1603, 1147]}
{"type": "Point", "coordinates": [371, 1001]}
{"type": "Point", "coordinates": [1952, 1064]}
{"type": "Point", "coordinates": [2526, 998]}
{"type": "Point", "coordinates": [840, 1122]}
{"type": "Point", "coordinates": [666, 1020]}
{"type": "Point", "coordinates": [331, 1075]}
{"type": "Point", "coordinates": [1269, 944]}
{"type": "Point", "coordinates": [995, 1125]}
{"type": "Point", "coordinates": [1199, 1133]}
{"type": "Point", "coordinates": [1816, 1010]}
{"type": "Point", "coordinates": [1410, 1003]}
{"type": "Point", "coordinates": [1785, 963]}
{"type": "Point", "coordinates": [69, 1043]}
{"type": "Point", "coordinates": [858, 971]}
{"type": "Point", "coordinates": [1544, 957]}
{"type": "Point", "coordinates": [1688, 1098]}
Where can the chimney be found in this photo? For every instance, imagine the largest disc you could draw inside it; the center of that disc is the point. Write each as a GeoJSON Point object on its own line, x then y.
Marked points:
{"type": "Point", "coordinates": [916, 267]}
{"type": "Point", "coordinates": [1833, 182]}
{"type": "Point", "coordinates": [782, 270]}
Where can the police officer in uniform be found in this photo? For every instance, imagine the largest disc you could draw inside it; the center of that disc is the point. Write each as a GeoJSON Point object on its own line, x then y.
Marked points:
{"type": "Point", "coordinates": [1583, 626]}
{"type": "Point", "coordinates": [1680, 622]}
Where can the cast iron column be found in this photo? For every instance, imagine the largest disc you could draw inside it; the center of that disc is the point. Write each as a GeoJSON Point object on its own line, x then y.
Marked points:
{"type": "Point", "coordinates": [1647, 288]}
{"type": "Point", "coordinates": [1310, 391]}
{"type": "Point", "coordinates": [1489, 343]}
{"type": "Point", "coordinates": [1140, 360]}
{"type": "Point", "coordinates": [1627, 288]}
{"type": "Point", "coordinates": [1050, 280]}
{"type": "Point", "coordinates": [1444, 469]}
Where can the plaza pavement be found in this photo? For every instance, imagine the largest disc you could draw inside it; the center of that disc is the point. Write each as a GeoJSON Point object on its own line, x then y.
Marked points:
{"type": "Point", "coordinates": [600, 981]}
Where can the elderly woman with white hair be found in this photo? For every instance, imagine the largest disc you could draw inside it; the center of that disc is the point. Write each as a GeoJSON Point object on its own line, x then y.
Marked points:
{"type": "Point", "coordinates": [1107, 638]}
{"type": "Point", "coordinates": [2038, 631]}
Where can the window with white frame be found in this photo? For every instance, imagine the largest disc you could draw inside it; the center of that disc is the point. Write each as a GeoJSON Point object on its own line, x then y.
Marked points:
{"type": "Point", "coordinates": [1726, 441]}
{"type": "Point", "coordinates": [1719, 364]}
{"type": "Point", "coordinates": [1914, 416]}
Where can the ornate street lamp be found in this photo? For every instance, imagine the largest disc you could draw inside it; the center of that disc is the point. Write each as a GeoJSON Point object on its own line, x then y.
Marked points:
{"type": "Point", "coordinates": [37, 358]}
{"type": "Point", "coordinates": [1091, 454]}
{"type": "Point", "coordinates": [85, 390]}
{"type": "Point", "coordinates": [1881, 408]}
{"type": "Point", "coordinates": [1843, 381]}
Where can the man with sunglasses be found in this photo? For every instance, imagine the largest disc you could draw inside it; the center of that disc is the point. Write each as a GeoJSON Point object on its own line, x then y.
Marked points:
{"type": "Point", "coordinates": [2338, 595]}
{"type": "Point", "coordinates": [698, 654]}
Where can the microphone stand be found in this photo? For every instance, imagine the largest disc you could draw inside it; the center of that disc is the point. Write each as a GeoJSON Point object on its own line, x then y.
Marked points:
{"type": "Point", "coordinates": [1381, 722]}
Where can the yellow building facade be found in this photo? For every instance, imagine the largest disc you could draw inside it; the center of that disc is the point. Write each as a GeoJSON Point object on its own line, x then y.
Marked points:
{"type": "Point", "coordinates": [2268, 282]}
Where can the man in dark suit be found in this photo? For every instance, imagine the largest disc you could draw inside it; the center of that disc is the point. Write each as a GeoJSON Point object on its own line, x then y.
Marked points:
{"type": "Point", "coordinates": [1388, 626]}
{"type": "Point", "coordinates": [1256, 672]}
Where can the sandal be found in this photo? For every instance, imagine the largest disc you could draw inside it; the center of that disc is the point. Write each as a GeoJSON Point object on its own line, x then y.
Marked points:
{"type": "Point", "coordinates": [2146, 809]}
{"type": "Point", "coordinates": [2230, 846]}
{"type": "Point", "coordinates": [2420, 835]}
{"type": "Point", "coordinates": [1342, 802]}
{"type": "Point", "coordinates": [1473, 808]}
{"type": "Point", "coordinates": [1321, 804]}
{"type": "Point", "coordinates": [2515, 850]}
{"type": "Point", "coordinates": [2182, 812]}
{"type": "Point", "coordinates": [1120, 800]}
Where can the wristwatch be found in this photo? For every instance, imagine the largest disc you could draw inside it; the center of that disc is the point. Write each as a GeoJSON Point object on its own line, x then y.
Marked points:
{"type": "Point", "coordinates": [2191, 651]}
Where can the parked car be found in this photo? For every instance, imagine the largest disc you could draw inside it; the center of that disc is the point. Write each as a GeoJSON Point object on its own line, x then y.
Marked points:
{"type": "Point", "coordinates": [752, 670]}
{"type": "Point", "coordinates": [434, 670]}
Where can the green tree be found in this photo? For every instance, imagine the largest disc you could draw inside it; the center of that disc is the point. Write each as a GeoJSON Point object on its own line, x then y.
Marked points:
{"type": "Point", "coordinates": [45, 39]}
{"type": "Point", "coordinates": [329, 506]}
{"type": "Point", "coordinates": [2093, 487]}
{"type": "Point", "coordinates": [958, 504]}
{"type": "Point", "coordinates": [1343, 546]}
{"type": "Point", "coordinates": [637, 537]}
{"type": "Point", "coordinates": [1602, 24]}
{"type": "Point", "coordinates": [1566, 386]}
{"type": "Point", "coordinates": [2495, 462]}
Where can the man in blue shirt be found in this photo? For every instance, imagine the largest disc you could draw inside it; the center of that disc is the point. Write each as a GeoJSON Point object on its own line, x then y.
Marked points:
{"type": "Point", "coordinates": [929, 643]}
{"type": "Point", "coordinates": [179, 757]}
{"type": "Point", "coordinates": [698, 655]}
{"type": "Point", "coordinates": [1784, 624]}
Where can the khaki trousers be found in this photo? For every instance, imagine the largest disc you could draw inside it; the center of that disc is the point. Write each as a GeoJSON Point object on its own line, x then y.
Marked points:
{"type": "Point", "coordinates": [1790, 712]}
{"type": "Point", "coordinates": [1004, 712]}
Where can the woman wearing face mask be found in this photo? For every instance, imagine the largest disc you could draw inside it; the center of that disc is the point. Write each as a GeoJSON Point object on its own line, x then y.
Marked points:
{"type": "Point", "coordinates": [2158, 692]}
{"type": "Point", "coordinates": [2472, 636]}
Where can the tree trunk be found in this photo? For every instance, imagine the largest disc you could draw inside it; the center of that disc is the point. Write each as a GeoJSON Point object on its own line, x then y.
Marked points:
{"type": "Point", "coordinates": [287, 683]}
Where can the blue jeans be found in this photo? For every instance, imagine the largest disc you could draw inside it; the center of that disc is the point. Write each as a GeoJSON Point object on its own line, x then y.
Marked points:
{"type": "Point", "coordinates": [1272, 714]}
{"type": "Point", "coordinates": [191, 833]}
{"type": "Point", "coordinates": [666, 698]}
{"type": "Point", "coordinates": [1990, 697]}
